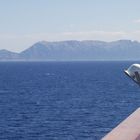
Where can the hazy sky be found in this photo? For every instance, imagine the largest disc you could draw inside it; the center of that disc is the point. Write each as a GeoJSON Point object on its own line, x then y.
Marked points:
{"type": "Point", "coordinates": [24, 22]}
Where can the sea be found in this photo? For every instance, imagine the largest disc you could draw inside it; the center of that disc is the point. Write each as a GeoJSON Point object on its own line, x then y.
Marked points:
{"type": "Point", "coordinates": [64, 100]}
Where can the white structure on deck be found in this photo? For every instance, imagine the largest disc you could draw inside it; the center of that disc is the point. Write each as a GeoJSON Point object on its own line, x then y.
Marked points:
{"type": "Point", "coordinates": [134, 72]}
{"type": "Point", "coordinates": [129, 129]}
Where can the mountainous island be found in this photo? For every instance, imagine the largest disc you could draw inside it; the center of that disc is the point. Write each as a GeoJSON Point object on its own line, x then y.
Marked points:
{"type": "Point", "coordinates": [76, 50]}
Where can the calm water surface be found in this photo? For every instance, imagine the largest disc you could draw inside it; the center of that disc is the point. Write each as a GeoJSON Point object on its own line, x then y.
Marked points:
{"type": "Point", "coordinates": [64, 100]}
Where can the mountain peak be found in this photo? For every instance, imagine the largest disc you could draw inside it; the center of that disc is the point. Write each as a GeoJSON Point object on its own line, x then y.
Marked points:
{"type": "Point", "coordinates": [4, 50]}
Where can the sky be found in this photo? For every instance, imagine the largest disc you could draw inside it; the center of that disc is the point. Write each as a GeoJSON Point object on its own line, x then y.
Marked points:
{"type": "Point", "coordinates": [25, 22]}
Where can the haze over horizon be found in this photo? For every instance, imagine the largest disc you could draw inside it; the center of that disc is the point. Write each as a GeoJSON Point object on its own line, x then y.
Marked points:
{"type": "Point", "coordinates": [25, 22]}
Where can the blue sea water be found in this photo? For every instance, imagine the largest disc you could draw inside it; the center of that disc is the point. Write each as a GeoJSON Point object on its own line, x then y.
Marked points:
{"type": "Point", "coordinates": [64, 100]}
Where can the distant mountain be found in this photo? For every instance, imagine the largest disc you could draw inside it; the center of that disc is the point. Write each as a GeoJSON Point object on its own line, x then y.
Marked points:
{"type": "Point", "coordinates": [77, 50]}
{"type": "Point", "coordinates": [8, 55]}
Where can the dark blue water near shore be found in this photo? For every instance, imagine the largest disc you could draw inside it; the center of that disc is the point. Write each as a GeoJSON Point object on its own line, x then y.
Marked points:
{"type": "Point", "coordinates": [64, 100]}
